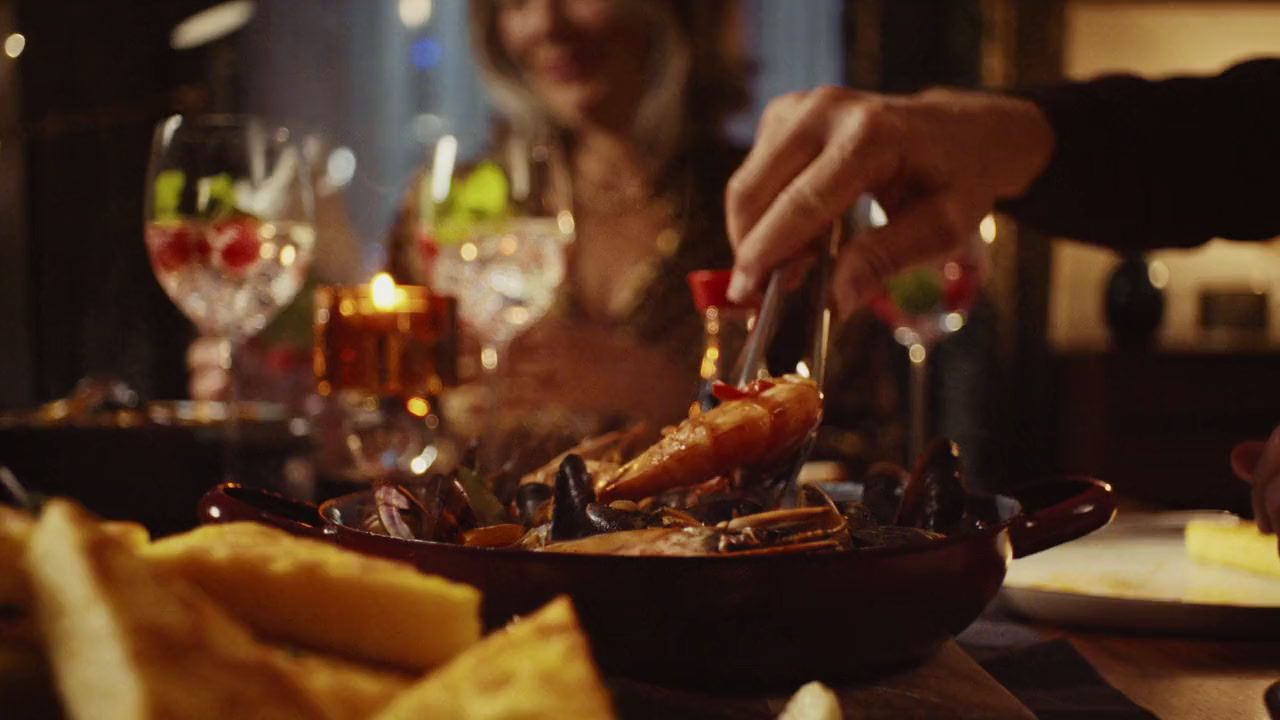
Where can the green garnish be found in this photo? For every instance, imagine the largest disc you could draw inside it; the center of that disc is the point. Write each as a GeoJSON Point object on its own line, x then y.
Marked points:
{"type": "Point", "coordinates": [916, 291]}
{"type": "Point", "coordinates": [167, 193]}
{"type": "Point", "coordinates": [482, 500]}
{"type": "Point", "coordinates": [480, 196]}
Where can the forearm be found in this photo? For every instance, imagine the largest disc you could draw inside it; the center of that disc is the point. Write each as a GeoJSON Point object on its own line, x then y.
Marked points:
{"type": "Point", "coordinates": [1176, 162]}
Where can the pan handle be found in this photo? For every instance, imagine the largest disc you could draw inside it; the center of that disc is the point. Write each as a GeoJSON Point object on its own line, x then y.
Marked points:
{"type": "Point", "coordinates": [1060, 511]}
{"type": "Point", "coordinates": [231, 502]}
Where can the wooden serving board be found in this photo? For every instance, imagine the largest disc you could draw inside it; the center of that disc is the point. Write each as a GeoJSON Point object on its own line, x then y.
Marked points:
{"type": "Point", "coordinates": [950, 686]}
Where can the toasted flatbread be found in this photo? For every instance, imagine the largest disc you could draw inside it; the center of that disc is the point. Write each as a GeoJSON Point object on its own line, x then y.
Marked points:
{"type": "Point", "coordinates": [125, 641]}
{"type": "Point", "coordinates": [322, 596]}
{"type": "Point", "coordinates": [346, 690]}
{"type": "Point", "coordinates": [539, 667]}
{"type": "Point", "coordinates": [15, 531]}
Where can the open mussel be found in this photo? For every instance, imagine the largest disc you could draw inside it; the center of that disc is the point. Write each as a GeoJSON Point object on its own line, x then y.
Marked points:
{"type": "Point", "coordinates": [432, 509]}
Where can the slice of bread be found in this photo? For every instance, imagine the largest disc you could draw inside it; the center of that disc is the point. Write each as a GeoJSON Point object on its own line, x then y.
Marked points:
{"type": "Point", "coordinates": [1239, 545]}
{"type": "Point", "coordinates": [15, 532]}
{"type": "Point", "coordinates": [536, 668]}
{"type": "Point", "coordinates": [319, 595]}
{"type": "Point", "coordinates": [346, 690]}
{"type": "Point", "coordinates": [125, 641]}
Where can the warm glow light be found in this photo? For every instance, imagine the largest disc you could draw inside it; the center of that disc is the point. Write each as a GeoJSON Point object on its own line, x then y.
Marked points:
{"type": "Point", "coordinates": [418, 406]}
{"type": "Point", "coordinates": [802, 369]}
{"type": "Point", "coordinates": [442, 167]}
{"type": "Point", "coordinates": [877, 215]}
{"type": "Point", "coordinates": [340, 167]}
{"type": "Point", "coordinates": [489, 358]}
{"type": "Point", "coordinates": [288, 255]}
{"type": "Point", "coordinates": [516, 315]}
{"type": "Point", "coordinates": [1158, 274]}
{"type": "Point", "coordinates": [987, 229]}
{"type": "Point", "coordinates": [564, 220]}
{"type": "Point", "coordinates": [212, 24]}
{"type": "Point", "coordinates": [953, 321]}
{"type": "Point", "coordinates": [468, 251]}
{"type": "Point", "coordinates": [15, 44]}
{"type": "Point", "coordinates": [951, 270]}
{"type": "Point", "coordinates": [916, 353]}
{"type": "Point", "coordinates": [383, 292]}
{"type": "Point", "coordinates": [423, 461]}
{"type": "Point", "coordinates": [415, 13]}
{"type": "Point", "coordinates": [508, 245]}
{"type": "Point", "coordinates": [267, 250]}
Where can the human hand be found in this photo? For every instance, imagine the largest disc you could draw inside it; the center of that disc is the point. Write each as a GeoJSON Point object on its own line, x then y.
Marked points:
{"type": "Point", "coordinates": [936, 161]}
{"type": "Point", "coordinates": [1258, 463]}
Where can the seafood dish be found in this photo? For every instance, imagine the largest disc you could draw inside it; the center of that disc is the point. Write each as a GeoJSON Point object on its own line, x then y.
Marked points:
{"type": "Point", "coordinates": [720, 483]}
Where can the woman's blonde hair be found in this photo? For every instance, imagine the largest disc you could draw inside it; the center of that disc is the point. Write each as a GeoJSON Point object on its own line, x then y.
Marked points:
{"type": "Point", "coordinates": [698, 77]}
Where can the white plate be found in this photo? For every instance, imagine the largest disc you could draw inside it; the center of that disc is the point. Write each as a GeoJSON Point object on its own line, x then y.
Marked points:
{"type": "Point", "coordinates": [1135, 575]}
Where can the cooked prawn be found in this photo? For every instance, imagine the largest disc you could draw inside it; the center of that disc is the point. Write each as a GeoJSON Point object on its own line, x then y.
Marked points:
{"type": "Point", "coordinates": [750, 427]}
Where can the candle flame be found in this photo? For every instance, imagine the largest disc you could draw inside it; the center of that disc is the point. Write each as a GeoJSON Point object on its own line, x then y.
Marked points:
{"type": "Point", "coordinates": [383, 291]}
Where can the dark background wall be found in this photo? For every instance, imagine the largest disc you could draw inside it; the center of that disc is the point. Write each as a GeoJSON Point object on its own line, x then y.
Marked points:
{"type": "Point", "coordinates": [92, 82]}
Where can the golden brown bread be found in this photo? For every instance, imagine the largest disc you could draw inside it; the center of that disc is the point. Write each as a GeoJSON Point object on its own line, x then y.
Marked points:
{"type": "Point", "coordinates": [125, 641]}
{"type": "Point", "coordinates": [537, 668]}
{"type": "Point", "coordinates": [15, 532]}
{"type": "Point", "coordinates": [1239, 545]}
{"type": "Point", "coordinates": [322, 596]}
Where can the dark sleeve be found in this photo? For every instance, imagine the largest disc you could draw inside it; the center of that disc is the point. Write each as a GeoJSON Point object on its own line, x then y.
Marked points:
{"type": "Point", "coordinates": [1141, 164]}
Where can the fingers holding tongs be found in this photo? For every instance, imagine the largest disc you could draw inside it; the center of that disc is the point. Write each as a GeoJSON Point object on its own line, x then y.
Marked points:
{"type": "Point", "coordinates": [751, 361]}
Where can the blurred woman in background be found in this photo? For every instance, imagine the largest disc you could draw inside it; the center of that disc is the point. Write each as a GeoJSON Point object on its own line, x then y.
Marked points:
{"type": "Point", "coordinates": [638, 93]}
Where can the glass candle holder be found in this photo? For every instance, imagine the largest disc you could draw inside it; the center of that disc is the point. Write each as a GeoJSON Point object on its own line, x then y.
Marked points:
{"type": "Point", "coordinates": [384, 353]}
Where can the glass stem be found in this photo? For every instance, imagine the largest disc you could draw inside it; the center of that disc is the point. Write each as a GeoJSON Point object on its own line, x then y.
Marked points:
{"type": "Point", "coordinates": [919, 356]}
{"type": "Point", "coordinates": [231, 426]}
{"type": "Point", "coordinates": [493, 362]}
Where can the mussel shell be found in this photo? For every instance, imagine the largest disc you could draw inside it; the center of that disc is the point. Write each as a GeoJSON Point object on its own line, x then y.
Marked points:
{"type": "Point", "coordinates": [573, 493]}
{"type": "Point", "coordinates": [858, 515]}
{"type": "Point", "coordinates": [530, 501]}
{"type": "Point", "coordinates": [603, 518]}
{"type": "Point", "coordinates": [882, 491]}
{"type": "Point", "coordinates": [435, 508]}
{"type": "Point", "coordinates": [935, 496]}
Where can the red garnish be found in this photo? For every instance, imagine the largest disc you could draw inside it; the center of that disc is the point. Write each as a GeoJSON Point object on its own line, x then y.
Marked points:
{"type": "Point", "coordinates": [240, 243]}
{"type": "Point", "coordinates": [888, 312]}
{"type": "Point", "coordinates": [725, 391]}
{"type": "Point", "coordinates": [170, 247]}
{"type": "Point", "coordinates": [960, 293]}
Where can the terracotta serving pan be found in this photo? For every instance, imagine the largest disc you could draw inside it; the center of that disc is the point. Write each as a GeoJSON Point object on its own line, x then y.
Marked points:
{"type": "Point", "coordinates": [724, 620]}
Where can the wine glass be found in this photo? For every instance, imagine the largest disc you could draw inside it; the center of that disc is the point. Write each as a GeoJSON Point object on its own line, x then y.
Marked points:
{"type": "Point", "coordinates": [923, 305]}
{"type": "Point", "coordinates": [493, 234]}
{"type": "Point", "coordinates": [229, 227]}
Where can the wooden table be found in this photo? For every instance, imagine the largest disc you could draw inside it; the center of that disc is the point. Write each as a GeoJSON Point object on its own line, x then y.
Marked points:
{"type": "Point", "coordinates": [1183, 678]}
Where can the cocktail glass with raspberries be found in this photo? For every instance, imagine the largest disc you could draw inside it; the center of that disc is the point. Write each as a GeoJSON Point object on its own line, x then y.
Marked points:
{"type": "Point", "coordinates": [923, 305]}
{"type": "Point", "coordinates": [228, 225]}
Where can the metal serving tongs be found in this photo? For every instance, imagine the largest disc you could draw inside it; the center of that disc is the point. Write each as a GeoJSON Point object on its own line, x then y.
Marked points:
{"type": "Point", "coordinates": [747, 367]}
